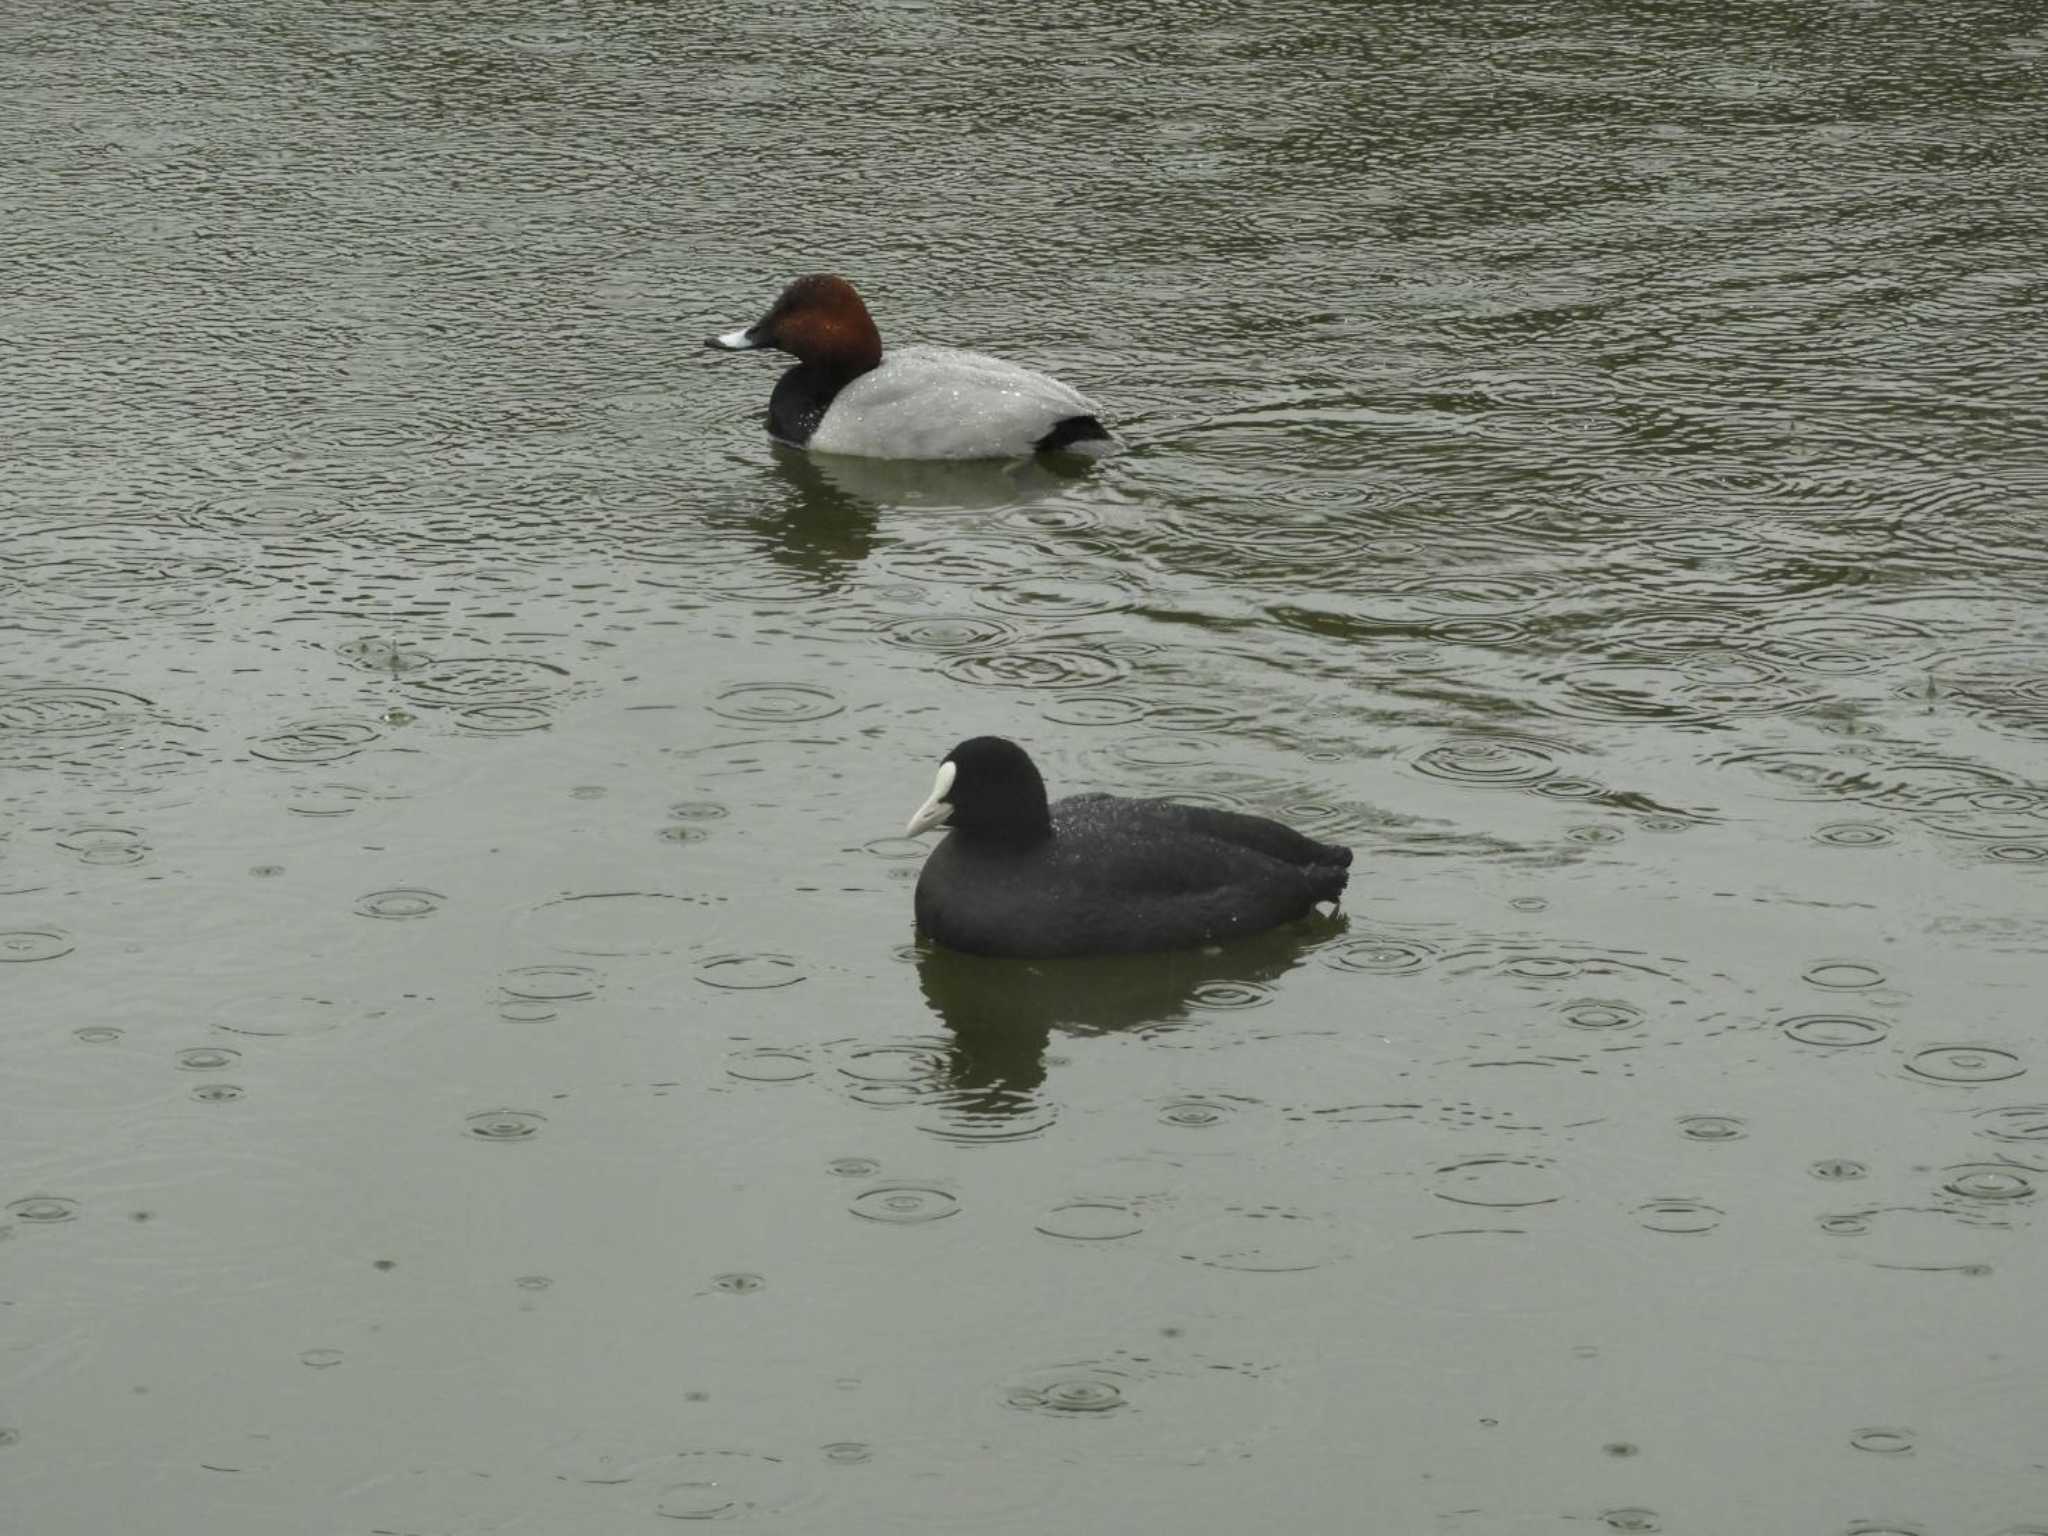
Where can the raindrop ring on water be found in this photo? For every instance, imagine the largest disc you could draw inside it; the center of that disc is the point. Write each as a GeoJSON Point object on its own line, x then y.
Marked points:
{"type": "Point", "coordinates": [1634, 1521]}
{"type": "Point", "coordinates": [895, 1064]}
{"type": "Point", "coordinates": [1265, 1240]}
{"type": "Point", "coordinates": [2016, 1122]}
{"type": "Point", "coordinates": [1965, 1064]}
{"type": "Point", "coordinates": [1043, 667]}
{"type": "Point", "coordinates": [26, 945]}
{"type": "Point", "coordinates": [400, 904]}
{"type": "Point", "coordinates": [1487, 761]}
{"type": "Point", "coordinates": [550, 983]}
{"type": "Point", "coordinates": [1076, 1397]}
{"type": "Point", "coordinates": [315, 741]}
{"type": "Point", "coordinates": [1498, 1183]}
{"type": "Point", "coordinates": [749, 973]}
{"type": "Point", "coordinates": [1682, 1217]}
{"type": "Point", "coordinates": [1600, 1013]}
{"type": "Point", "coordinates": [2017, 853]}
{"type": "Point", "coordinates": [1194, 1114]}
{"type": "Point", "coordinates": [44, 1209]}
{"type": "Point", "coordinates": [375, 654]}
{"type": "Point", "coordinates": [105, 845]}
{"type": "Point", "coordinates": [318, 800]}
{"type": "Point", "coordinates": [945, 632]}
{"type": "Point", "coordinates": [904, 1204]}
{"type": "Point", "coordinates": [1091, 1221]}
{"type": "Point", "coordinates": [505, 1124]}
{"type": "Point", "coordinates": [1229, 996]}
{"type": "Point", "coordinates": [775, 703]}
{"type": "Point", "coordinates": [481, 682]}
{"type": "Point", "coordinates": [1094, 709]}
{"type": "Point", "coordinates": [1992, 1182]}
{"type": "Point", "coordinates": [1842, 975]}
{"type": "Point", "coordinates": [1077, 1392]}
{"type": "Point", "coordinates": [1712, 1127]}
{"type": "Point", "coordinates": [502, 719]}
{"type": "Point", "coordinates": [51, 709]}
{"type": "Point", "coordinates": [1382, 956]}
{"type": "Point", "coordinates": [983, 1116]}
{"type": "Point", "coordinates": [723, 1485]}
{"type": "Point", "coordinates": [1837, 1169]}
{"type": "Point", "coordinates": [1564, 788]}
{"type": "Point", "coordinates": [769, 1065]}
{"type": "Point", "coordinates": [1854, 834]}
{"type": "Point", "coordinates": [1834, 1029]}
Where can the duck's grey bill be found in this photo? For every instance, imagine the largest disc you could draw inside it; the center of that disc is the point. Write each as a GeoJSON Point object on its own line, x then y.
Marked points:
{"type": "Point", "coordinates": [936, 808]}
{"type": "Point", "coordinates": [734, 341]}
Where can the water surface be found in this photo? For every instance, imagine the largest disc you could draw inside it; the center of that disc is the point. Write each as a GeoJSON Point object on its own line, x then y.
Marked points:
{"type": "Point", "coordinates": [466, 1066]}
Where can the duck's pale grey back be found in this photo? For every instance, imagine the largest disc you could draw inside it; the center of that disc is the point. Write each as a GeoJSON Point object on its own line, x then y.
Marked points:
{"type": "Point", "coordinates": [944, 403]}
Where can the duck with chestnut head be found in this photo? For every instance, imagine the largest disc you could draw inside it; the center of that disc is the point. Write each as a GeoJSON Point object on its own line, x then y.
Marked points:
{"type": "Point", "coordinates": [846, 395]}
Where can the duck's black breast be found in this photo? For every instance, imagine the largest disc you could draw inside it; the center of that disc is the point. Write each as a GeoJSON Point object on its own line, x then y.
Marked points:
{"type": "Point", "coordinates": [802, 397]}
{"type": "Point", "coordinates": [1118, 876]}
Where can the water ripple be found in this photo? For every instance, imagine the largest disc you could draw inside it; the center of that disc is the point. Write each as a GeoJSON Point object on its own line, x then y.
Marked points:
{"type": "Point", "coordinates": [905, 1204]}
{"type": "Point", "coordinates": [1265, 1240]}
{"type": "Point", "coordinates": [25, 945]}
{"type": "Point", "coordinates": [55, 725]}
{"type": "Point", "coordinates": [945, 632]}
{"type": "Point", "coordinates": [1965, 1065]}
{"type": "Point", "coordinates": [1092, 1221]}
{"type": "Point", "coordinates": [775, 703]}
{"type": "Point", "coordinates": [1493, 762]}
{"type": "Point", "coordinates": [1068, 1391]}
{"type": "Point", "coordinates": [315, 741]}
{"type": "Point", "coordinates": [1834, 1029]}
{"type": "Point", "coordinates": [472, 683]}
{"type": "Point", "coordinates": [1029, 666]}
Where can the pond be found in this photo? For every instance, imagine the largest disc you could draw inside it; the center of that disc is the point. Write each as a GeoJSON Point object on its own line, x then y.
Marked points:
{"type": "Point", "coordinates": [465, 1060]}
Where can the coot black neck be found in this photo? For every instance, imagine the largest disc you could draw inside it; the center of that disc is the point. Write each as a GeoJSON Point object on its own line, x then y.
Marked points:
{"type": "Point", "coordinates": [1010, 834]}
{"type": "Point", "coordinates": [1013, 817]}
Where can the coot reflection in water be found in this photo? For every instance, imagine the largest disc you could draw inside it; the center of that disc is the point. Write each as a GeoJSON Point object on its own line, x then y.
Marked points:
{"type": "Point", "coordinates": [1001, 1013]}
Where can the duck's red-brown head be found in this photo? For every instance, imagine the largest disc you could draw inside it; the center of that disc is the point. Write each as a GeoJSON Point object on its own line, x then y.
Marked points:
{"type": "Point", "coordinates": [818, 319]}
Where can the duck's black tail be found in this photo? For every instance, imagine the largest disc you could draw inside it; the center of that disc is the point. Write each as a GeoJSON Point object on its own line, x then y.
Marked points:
{"type": "Point", "coordinates": [1074, 432]}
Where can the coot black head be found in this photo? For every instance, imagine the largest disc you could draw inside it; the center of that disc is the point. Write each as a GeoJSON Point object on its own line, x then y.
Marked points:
{"type": "Point", "coordinates": [988, 790]}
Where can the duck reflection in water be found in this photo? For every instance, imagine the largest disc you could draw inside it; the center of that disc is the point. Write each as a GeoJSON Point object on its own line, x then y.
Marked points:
{"type": "Point", "coordinates": [1001, 1013]}
{"type": "Point", "coordinates": [971, 485]}
{"type": "Point", "coordinates": [809, 524]}
{"type": "Point", "coordinates": [822, 512]}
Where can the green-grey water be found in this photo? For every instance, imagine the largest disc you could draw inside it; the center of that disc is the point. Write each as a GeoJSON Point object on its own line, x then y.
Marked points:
{"type": "Point", "coordinates": [464, 1062]}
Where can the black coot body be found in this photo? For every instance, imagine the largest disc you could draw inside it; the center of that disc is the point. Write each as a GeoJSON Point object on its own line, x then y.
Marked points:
{"type": "Point", "coordinates": [1099, 874]}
